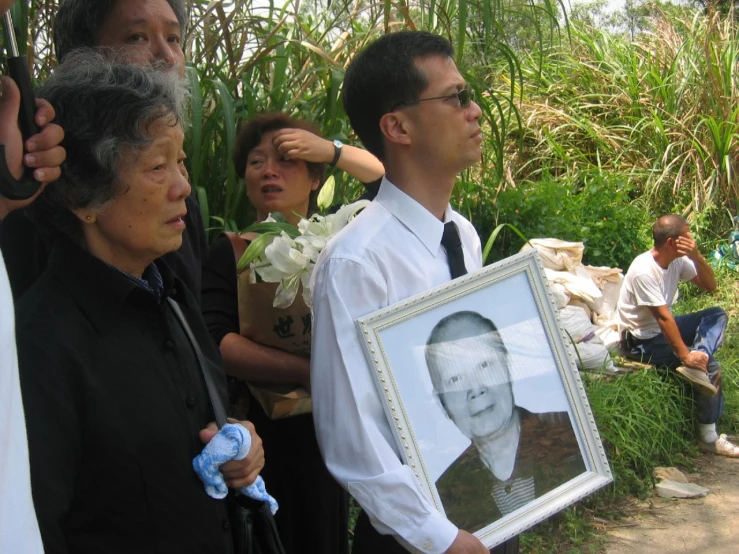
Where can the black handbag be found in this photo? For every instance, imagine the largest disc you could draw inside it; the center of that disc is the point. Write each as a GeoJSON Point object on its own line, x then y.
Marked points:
{"type": "Point", "coordinates": [253, 527]}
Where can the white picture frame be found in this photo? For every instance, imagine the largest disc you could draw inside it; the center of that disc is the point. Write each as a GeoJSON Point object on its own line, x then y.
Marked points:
{"type": "Point", "coordinates": [528, 449]}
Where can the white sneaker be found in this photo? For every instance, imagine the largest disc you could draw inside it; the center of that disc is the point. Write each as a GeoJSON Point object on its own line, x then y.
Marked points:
{"type": "Point", "coordinates": [722, 447]}
{"type": "Point", "coordinates": [697, 378]}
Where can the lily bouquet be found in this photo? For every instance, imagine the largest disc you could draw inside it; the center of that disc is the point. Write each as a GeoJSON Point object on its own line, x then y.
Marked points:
{"type": "Point", "coordinates": [286, 254]}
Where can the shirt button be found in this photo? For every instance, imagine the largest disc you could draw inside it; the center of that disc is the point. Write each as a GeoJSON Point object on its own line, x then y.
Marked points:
{"type": "Point", "coordinates": [427, 545]}
{"type": "Point", "coordinates": [225, 525]}
{"type": "Point", "coordinates": [190, 402]}
{"type": "Point", "coordinates": [168, 344]}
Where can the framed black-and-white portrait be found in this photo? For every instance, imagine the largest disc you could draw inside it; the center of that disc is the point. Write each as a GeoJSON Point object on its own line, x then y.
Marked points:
{"type": "Point", "coordinates": [480, 386]}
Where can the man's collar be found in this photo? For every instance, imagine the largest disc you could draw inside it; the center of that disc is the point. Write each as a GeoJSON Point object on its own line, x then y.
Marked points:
{"type": "Point", "coordinates": [98, 288]}
{"type": "Point", "coordinates": [413, 215]}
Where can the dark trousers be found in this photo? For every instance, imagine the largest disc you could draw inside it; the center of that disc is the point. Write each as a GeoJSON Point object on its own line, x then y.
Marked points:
{"type": "Point", "coordinates": [314, 509]}
{"type": "Point", "coordinates": [703, 331]}
{"type": "Point", "coordinates": [368, 541]}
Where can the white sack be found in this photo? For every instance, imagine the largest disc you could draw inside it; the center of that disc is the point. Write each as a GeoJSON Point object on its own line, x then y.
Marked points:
{"type": "Point", "coordinates": [591, 352]}
{"type": "Point", "coordinates": [576, 322]}
{"type": "Point", "coordinates": [561, 298]}
{"type": "Point", "coordinates": [608, 280]}
{"type": "Point", "coordinates": [556, 254]}
{"type": "Point", "coordinates": [610, 337]}
{"type": "Point", "coordinates": [611, 292]}
{"type": "Point", "coordinates": [603, 274]}
{"type": "Point", "coordinates": [580, 285]}
{"type": "Point", "coordinates": [594, 355]}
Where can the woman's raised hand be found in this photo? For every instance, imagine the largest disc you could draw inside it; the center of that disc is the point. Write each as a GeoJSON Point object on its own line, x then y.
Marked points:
{"type": "Point", "coordinates": [303, 145]}
{"type": "Point", "coordinates": [297, 144]}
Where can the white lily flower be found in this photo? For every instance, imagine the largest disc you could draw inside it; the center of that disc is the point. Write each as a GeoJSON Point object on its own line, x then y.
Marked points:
{"type": "Point", "coordinates": [315, 226]}
{"type": "Point", "coordinates": [305, 281]}
{"type": "Point", "coordinates": [286, 292]}
{"type": "Point", "coordinates": [290, 262]}
{"type": "Point", "coordinates": [300, 258]}
{"type": "Point", "coordinates": [311, 246]}
{"type": "Point", "coordinates": [269, 274]}
{"type": "Point", "coordinates": [283, 255]}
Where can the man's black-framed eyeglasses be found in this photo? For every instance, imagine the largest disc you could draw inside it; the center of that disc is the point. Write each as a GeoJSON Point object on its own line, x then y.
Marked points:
{"type": "Point", "coordinates": [465, 97]}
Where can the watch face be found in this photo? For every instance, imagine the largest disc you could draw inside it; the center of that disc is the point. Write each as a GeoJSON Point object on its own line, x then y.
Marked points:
{"type": "Point", "coordinates": [338, 144]}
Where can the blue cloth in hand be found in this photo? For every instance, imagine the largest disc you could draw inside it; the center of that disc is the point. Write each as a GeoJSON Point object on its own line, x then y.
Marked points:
{"type": "Point", "coordinates": [232, 442]}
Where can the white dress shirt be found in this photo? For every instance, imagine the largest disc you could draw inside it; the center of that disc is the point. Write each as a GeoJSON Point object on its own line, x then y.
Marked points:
{"type": "Point", "coordinates": [390, 252]}
{"type": "Point", "coordinates": [19, 532]}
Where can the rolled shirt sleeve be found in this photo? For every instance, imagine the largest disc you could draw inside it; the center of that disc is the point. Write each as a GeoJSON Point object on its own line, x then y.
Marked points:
{"type": "Point", "coordinates": [688, 271]}
{"type": "Point", "coordinates": [355, 438]}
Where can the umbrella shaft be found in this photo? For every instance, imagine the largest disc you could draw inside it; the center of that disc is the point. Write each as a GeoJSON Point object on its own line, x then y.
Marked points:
{"type": "Point", "coordinates": [10, 31]}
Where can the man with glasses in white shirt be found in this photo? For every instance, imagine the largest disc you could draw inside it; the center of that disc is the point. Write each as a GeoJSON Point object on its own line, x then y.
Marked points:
{"type": "Point", "coordinates": [411, 108]}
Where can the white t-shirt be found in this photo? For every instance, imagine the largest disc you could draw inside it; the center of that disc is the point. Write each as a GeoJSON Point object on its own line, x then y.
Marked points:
{"type": "Point", "coordinates": [647, 284]}
{"type": "Point", "coordinates": [19, 532]}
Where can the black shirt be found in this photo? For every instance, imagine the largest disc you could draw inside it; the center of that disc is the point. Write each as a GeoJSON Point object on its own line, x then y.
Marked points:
{"type": "Point", "coordinates": [220, 290]}
{"type": "Point", "coordinates": [26, 252]}
{"type": "Point", "coordinates": [548, 453]}
{"type": "Point", "coordinates": [313, 507]}
{"type": "Point", "coordinates": [114, 400]}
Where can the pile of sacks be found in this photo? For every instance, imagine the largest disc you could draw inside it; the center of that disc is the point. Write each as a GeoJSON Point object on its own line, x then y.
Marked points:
{"type": "Point", "coordinates": [586, 297]}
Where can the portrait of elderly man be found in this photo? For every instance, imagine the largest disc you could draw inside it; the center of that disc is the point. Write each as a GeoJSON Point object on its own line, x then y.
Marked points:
{"type": "Point", "coordinates": [516, 456]}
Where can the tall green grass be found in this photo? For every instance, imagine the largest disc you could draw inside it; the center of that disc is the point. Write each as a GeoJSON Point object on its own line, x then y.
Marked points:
{"type": "Point", "coordinates": [659, 111]}
{"type": "Point", "coordinates": [645, 419]}
{"type": "Point", "coordinates": [250, 57]}
{"type": "Point", "coordinates": [559, 99]}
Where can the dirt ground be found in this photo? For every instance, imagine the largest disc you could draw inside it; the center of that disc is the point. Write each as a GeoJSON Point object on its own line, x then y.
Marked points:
{"type": "Point", "coordinates": [698, 526]}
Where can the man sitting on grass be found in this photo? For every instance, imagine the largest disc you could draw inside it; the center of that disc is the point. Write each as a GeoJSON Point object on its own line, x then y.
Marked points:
{"type": "Point", "coordinates": [686, 343]}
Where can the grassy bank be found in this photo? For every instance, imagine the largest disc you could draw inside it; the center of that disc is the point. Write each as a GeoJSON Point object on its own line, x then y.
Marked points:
{"type": "Point", "coordinates": [645, 420]}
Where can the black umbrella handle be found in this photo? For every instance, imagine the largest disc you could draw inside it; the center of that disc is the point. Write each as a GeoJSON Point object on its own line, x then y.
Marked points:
{"type": "Point", "coordinates": [27, 186]}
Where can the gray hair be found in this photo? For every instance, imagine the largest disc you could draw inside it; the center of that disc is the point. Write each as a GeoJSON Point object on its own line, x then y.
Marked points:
{"type": "Point", "coordinates": [106, 108]}
{"type": "Point", "coordinates": [77, 23]}
{"type": "Point", "coordinates": [458, 326]}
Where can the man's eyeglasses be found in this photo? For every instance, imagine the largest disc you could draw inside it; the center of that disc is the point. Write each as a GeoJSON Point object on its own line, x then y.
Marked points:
{"type": "Point", "coordinates": [465, 97]}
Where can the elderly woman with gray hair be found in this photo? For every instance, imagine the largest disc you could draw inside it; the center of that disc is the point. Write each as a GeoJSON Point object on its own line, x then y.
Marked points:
{"type": "Point", "coordinates": [115, 399]}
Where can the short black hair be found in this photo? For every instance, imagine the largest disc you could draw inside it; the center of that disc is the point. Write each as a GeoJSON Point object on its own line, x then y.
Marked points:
{"type": "Point", "coordinates": [384, 75]}
{"type": "Point", "coordinates": [77, 23]}
{"type": "Point", "coordinates": [251, 133]}
{"type": "Point", "coordinates": [666, 227]}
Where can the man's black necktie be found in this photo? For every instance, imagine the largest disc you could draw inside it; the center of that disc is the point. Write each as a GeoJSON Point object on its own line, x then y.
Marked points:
{"type": "Point", "coordinates": [453, 246]}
